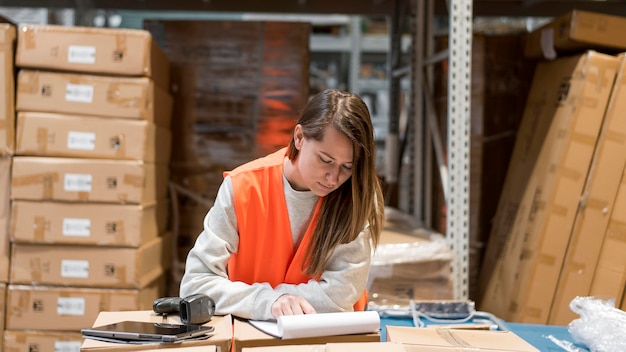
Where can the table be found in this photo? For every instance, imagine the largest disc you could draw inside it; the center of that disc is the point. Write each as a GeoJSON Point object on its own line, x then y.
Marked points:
{"type": "Point", "coordinates": [536, 335]}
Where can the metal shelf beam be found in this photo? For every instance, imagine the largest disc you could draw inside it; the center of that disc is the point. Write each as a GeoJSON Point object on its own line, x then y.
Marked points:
{"type": "Point", "coordinates": [459, 113]}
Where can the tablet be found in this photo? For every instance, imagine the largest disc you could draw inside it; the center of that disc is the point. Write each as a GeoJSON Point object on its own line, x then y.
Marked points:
{"type": "Point", "coordinates": [146, 331]}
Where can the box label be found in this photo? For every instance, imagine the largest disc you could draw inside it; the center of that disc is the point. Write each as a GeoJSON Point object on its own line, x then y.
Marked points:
{"type": "Point", "coordinates": [75, 268]}
{"type": "Point", "coordinates": [76, 227]}
{"type": "Point", "coordinates": [71, 306]}
{"type": "Point", "coordinates": [67, 346]}
{"type": "Point", "coordinates": [77, 182]}
{"type": "Point", "coordinates": [80, 54]}
{"type": "Point", "coordinates": [81, 140]}
{"type": "Point", "coordinates": [80, 93]}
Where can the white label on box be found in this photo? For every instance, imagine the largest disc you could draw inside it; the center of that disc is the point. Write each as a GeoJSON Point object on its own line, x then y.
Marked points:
{"type": "Point", "coordinates": [81, 140]}
{"type": "Point", "coordinates": [71, 306]}
{"type": "Point", "coordinates": [67, 346]}
{"type": "Point", "coordinates": [76, 227]}
{"type": "Point", "coordinates": [77, 183]}
{"type": "Point", "coordinates": [79, 54]}
{"type": "Point", "coordinates": [80, 93]}
{"type": "Point", "coordinates": [75, 268]}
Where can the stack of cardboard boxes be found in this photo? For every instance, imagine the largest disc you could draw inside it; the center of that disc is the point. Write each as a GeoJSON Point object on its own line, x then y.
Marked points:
{"type": "Point", "coordinates": [7, 136]}
{"type": "Point", "coordinates": [88, 188]}
{"type": "Point", "coordinates": [559, 228]}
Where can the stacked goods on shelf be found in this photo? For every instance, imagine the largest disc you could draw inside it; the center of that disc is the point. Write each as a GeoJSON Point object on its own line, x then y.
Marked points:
{"type": "Point", "coordinates": [550, 161]}
{"type": "Point", "coordinates": [558, 232]}
{"type": "Point", "coordinates": [594, 263]}
{"type": "Point", "coordinates": [89, 180]}
{"type": "Point", "coordinates": [236, 97]}
{"type": "Point", "coordinates": [410, 263]}
{"type": "Point", "coordinates": [576, 31]}
{"type": "Point", "coordinates": [7, 135]}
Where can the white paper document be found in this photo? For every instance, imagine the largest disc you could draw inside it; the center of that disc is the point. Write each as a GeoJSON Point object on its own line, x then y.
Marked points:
{"type": "Point", "coordinates": [321, 324]}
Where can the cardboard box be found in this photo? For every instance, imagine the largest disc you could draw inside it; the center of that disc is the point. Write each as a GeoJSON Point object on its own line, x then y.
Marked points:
{"type": "Point", "coordinates": [572, 93]}
{"type": "Point", "coordinates": [5, 213]}
{"type": "Point", "coordinates": [576, 31]}
{"type": "Point", "coordinates": [72, 308]}
{"type": "Point", "coordinates": [90, 266]}
{"type": "Point", "coordinates": [222, 335]}
{"type": "Point", "coordinates": [333, 347]}
{"type": "Point", "coordinates": [246, 335]}
{"type": "Point", "coordinates": [45, 134]}
{"type": "Point", "coordinates": [17, 341]}
{"type": "Point", "coordinates": [109, 51]}
{"type": "Point", "coordinates": [88, 180]}
{"type": "Point", "coordinates": [124, 225]}
{"type": "Point", "coordinates": [7, 89]}
{"type": "Point", "coordinates": [597, 206]}
{"type": "Point", "coordinates": [609, 279]}
{"type": "Point", "coordinates": [427, 339]}
{"type": "Point", "coordinates": [83, 94]}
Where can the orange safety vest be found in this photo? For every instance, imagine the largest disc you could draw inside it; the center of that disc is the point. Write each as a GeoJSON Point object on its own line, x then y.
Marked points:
{"type": "Point", "coordinates": [266, 252]}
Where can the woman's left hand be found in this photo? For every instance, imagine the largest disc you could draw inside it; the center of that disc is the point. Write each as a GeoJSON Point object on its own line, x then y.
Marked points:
{"type": "Point", "coordinates": [291, 305]}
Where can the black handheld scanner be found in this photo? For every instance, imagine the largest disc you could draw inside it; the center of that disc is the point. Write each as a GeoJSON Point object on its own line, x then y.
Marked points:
{"type": "Point", "coordinates": [195, 309]}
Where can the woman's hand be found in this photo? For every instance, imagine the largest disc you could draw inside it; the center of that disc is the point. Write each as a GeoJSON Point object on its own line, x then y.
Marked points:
{"type": "Point", "coordinates": [291, 305]}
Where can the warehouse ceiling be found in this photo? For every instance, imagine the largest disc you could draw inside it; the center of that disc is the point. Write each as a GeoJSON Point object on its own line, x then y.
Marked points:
{"type": "Point", "coordinates": [506, 8]}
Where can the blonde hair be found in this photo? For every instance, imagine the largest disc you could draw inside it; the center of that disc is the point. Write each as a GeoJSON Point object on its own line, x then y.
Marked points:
{"type": "Point", "coordinates": [357, 202]}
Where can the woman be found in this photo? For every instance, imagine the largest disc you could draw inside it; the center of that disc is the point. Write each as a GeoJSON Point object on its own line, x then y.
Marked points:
{"type": "Point", "coordinates": [292, 233]}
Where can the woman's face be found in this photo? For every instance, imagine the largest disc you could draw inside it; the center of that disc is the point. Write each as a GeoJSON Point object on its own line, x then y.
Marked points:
{"type": "Point", "coordinates": [322, 166]}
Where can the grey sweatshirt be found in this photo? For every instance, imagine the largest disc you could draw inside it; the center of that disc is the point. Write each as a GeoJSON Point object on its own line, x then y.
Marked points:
{"type": "Point", "coordinates": [340, 286]}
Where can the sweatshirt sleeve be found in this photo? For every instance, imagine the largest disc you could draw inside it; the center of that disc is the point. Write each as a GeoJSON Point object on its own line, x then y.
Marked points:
{"type": "Point", "coordinates": [206, 265]}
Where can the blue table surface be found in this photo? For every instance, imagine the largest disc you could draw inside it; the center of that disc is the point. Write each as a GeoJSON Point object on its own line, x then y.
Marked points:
{"type": "Point", "coordinates": [536, 335]}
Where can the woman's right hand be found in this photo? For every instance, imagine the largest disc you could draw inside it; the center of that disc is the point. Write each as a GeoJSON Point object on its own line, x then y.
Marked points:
{"type": "Point", "coordinates": [291, 305]}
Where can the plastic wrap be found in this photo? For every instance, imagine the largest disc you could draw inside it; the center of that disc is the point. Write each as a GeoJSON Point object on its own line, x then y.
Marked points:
{"type": "Point", "coordinates": [411, 262]}
{"type": "Point", "coordinates": [601, 327]}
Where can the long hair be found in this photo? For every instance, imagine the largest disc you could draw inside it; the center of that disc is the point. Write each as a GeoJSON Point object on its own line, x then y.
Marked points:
{"type": "Point", "coordinates": [359, 200]}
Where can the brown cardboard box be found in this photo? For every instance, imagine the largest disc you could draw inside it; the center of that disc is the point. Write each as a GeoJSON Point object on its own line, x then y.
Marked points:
{"type": "Point", "coordinates": [93, 180]}
{"type": "Point", "coordinates": [90, 266]}
{"type": "Point", "coordinates": [597, 206]}
{"type": "Point", "coordinates": [332, 347]}
{"type": "Point", "coordinates": [222, 335]}
{"type": "Point", "coordinates": [576, 31]}
{"type": "Point", "coordinates": [7, 89]}
{"type": "Point", "coordinates": [18, 341]}
{"type": "Point", "coordinates": [72, 308]}
{"type": "Point", "coordinates": [246, 335]}
{"type": "Point", "coordinates": [113, 51]}
{"type": "Point", "coordinates": [572, 94]}
{"type": "Point", "coordinates": [82, 94]}
{"type": "Point", "coordinates": [419, 339]}
{"type": "Point", "coordinates": [45, 134]}
{"type": "Point", "coordinates": [5, 213]}
{"type": "Point", "coordinates": [125, 225]}
{"type": "Point", "coordinates": [609, 279]}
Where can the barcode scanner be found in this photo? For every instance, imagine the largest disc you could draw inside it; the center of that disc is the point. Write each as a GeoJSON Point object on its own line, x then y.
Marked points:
{"type": "Point", "coordinates": [195, 309]}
